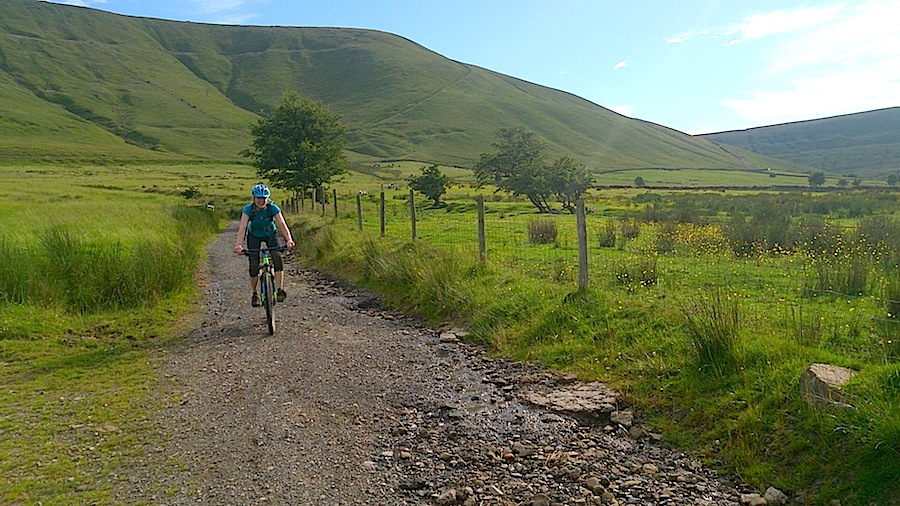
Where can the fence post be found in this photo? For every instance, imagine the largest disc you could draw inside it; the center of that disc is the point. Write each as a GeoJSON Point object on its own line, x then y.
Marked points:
{"type": "Point", "coordinates": [334, 198]}
{"type": "Point", "coordinates": [322, 197]}
{"type": "Point", "coordinates": [482, 250]}
{"type": "Point", "coordinates": [359, 210]}
{"type": "Point", "coordinates": [412, 212]}
{"type": "Point", "coordinates": [381, 213]}
{"type": "Point", "coordinates": [581, 222]}
{"type": "Point", "coordinates": [303, 199]}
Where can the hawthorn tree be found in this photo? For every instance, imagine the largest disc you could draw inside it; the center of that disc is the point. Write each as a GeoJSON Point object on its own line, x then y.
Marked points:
{"type": "Point", "coordinates": [517, 165]}
{"type": "Point", "coordinates": [298, 145]}
{"type": "Point", "coordinates": [816, 179]}
{"type": "Point", "coordinates": [432, 183]}
{"type": "Point", "coordinates": [569, 181]}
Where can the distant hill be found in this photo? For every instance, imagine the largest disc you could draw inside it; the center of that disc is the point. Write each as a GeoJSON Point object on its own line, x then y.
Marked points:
{"type": "Point", "coordinates": [81, 82]}
{"type": "Point", "coordinates": [866, 144]}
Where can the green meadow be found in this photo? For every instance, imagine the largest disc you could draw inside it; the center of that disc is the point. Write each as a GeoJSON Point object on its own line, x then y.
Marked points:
{"type": "Point", "coordinates": [98, 274]}
{"type": "Point", "coordinates": [703, 321]}
{"type": "Point", "coordinates": [703, 307]}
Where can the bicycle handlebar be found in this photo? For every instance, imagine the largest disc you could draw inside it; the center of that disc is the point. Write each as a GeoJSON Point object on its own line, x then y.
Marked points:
{"type": "Point", "coordinates": [249, 252]}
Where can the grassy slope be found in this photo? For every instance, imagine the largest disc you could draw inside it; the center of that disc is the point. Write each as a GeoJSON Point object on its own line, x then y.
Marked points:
{"type": "Point", "coordinates": [193, 89]}
{"type": "Point", "coordinates": [28, 126]}
{"type": "Point", "coordinates": [866, 144]}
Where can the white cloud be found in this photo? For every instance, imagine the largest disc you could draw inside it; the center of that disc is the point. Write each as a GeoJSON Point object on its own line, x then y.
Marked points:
{"type": "Point", "coordinates": [79, 3]}
{"type": "Point", "coordinates": [217, 6]}
{"type": "Point", "coordinates": [834, 61]}
{"type": "Point", "coordinates": [822, 96]}
{"type": "Point", "coordinates": [562, 72]}
{"type": "Point", "coordinates": [757, 26]}
{"type": "Point", "coordinates": [624, 110]}
{"type": "Point", "coordinates": [621, 65]}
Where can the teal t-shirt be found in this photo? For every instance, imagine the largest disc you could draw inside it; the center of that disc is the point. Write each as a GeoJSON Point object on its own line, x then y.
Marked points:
{"type": "Point", "coordinates": [262, 221]}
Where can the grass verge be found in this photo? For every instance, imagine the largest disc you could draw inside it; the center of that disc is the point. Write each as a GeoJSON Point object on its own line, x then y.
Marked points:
{"type": "Point", "coordinates": [743, 415]}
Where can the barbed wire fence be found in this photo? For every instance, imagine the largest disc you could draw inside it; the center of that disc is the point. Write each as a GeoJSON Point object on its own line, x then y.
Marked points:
{"type": "Point", "coordinates": [644, 259]}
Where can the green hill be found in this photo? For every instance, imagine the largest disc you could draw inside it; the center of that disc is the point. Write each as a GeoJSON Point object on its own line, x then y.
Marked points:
{"type": "Point", "coordinates": [138, 87]}
{"type": "Point", "coordinates": [866, 144]}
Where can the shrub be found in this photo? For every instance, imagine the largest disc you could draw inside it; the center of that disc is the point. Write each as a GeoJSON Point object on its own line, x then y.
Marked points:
{"type": "Point", "coordinates": [666, 237]}
{"type": "Point", "coordinates": [630, 228]}
{"type": "Point", "coordinates": [542, 231]}
{"type": "Point", "coordinates": [607, 235]}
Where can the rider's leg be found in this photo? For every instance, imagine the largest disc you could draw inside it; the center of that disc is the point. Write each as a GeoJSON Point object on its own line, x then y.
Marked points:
{"type": "Point", "coordinates": [253, 243]}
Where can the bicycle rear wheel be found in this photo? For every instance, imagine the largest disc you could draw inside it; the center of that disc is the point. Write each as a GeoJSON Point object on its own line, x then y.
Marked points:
{"type": "Point", "coordinates": [268, 282]}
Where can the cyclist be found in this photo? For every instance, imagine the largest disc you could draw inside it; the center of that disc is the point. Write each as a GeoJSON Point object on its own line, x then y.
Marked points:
{"type": "Point", "coordinates": [259, 221]}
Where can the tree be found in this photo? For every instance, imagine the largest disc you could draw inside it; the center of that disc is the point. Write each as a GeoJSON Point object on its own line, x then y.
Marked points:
{"type": "Point", "coordinates": [517, 166]}
{"type": "Point", "coordinates": [816, 179]}
{"type": "Point", "coordinates": [569, 180]}
{"type": "Point", "coordinates": [639, 182]}
{"type": "Point", "coordinates": [892, 179]}
{"type": "Point", "coordinates": [298, 145]}
{"type": "Point", "coordinates": [432, 183]}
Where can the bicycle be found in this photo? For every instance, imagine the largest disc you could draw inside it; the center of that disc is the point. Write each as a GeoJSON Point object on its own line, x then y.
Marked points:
{"type": "Point", "coordinates": [267, 288]}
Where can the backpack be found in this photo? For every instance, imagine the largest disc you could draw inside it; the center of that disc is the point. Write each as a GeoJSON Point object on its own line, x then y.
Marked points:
{"type": "Point", "coordinates": [253, 214]}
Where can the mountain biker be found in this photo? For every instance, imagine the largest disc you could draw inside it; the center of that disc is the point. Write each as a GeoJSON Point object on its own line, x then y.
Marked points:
{"type": "Point", "coordinates": [259, 221]}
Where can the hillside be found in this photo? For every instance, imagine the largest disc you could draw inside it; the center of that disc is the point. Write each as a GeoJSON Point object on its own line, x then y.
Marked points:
{"type": "Point", "coordinates": [139, 87]}
{"type": "Point", "coordinates": [866, 144]}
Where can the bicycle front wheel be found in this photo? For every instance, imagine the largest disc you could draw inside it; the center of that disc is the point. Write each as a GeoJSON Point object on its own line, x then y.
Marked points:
{"type": "Point", "coordinates": [269, 300]}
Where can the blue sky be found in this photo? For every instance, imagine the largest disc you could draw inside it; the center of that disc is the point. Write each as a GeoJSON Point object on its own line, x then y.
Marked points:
{"type": "Point", "coordinates": [696, 66]}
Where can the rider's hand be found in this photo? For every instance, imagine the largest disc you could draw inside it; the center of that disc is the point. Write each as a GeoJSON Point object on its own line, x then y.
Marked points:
{"type": "Point", "coordinates": [290, 244]}
{"type": "Point", "coordinates": [238, 249]}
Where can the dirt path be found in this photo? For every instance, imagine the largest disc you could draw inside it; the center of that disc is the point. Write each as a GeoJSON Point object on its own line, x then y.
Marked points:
{"type": "Point", "coordinates": [349, 405]}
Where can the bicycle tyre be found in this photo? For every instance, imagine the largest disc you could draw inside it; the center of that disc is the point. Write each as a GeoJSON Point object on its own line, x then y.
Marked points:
{"type": "Point", "coordinates": [268, 282]}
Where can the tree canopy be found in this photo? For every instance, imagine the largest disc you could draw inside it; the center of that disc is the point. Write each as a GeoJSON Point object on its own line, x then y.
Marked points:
{"type": "Point", "coordinates": [298, 145]}
{"type": "Point", "coordinates": [517, 165]}
{"type": "Point", "coordinates": [432, 183]}
{"type": "Point", "coordinates": [816, 179]}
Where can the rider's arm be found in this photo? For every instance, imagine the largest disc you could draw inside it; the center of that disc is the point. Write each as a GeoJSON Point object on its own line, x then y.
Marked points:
{"type": "Point", "coordinates": [285, 231]}
{"type": "Point", "coordinates": [242, 229]}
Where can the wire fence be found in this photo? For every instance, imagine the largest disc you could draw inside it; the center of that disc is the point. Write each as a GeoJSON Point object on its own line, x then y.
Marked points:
{"type": "Point", "coordinates": [821, 288]}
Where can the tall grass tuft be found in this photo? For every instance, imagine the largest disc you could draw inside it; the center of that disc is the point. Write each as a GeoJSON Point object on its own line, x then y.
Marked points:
{"type": "Point", "coordinates": [892, 297]}
{"type": "Point", "coordinates": [842, 276]}
{"type": "Point", "coordinates": [714, 324]}
{"type": "Point", "coordinates": [607, 235]}
{"type": "Point", "coordinates": [16, 272]}
{"type": "Point", "coordinates": [806, 327]}
{"type": "Point", "coordinates": [636, 271]}
{"type": "Point", "coordinates": [87, 275]}
{"type": "Point", "coordinates": [542, 231]}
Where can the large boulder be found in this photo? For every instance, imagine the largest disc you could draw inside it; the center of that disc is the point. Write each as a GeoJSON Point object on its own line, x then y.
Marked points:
{"type": "Point", "coordinates": [820, 385]}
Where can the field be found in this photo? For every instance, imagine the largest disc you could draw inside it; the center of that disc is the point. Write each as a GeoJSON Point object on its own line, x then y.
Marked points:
{"type": "Point", "coordinates": [699, 318]}
{"type": "Point", "coordinates": [97, 277]}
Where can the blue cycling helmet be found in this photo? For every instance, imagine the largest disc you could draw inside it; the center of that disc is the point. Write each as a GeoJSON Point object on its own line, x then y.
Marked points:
{"type": "Point", "coordinates": [260, 190]}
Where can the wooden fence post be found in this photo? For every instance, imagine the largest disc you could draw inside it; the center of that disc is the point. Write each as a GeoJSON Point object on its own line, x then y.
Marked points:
{"type": "Point", "coordinates": [334, 198]}
{"type": "Point", "coordinates": [482, 249]}
{"type": "Point", "coordinates": [412, 212]}
{"type": "Point", "coordinates": [381, 213]}
{"type": "Point", "coordinates": [581, 222]}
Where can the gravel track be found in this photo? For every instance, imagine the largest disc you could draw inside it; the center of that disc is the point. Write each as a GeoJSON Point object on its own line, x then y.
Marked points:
{"type": "Point", "coordinates": [348, 404]}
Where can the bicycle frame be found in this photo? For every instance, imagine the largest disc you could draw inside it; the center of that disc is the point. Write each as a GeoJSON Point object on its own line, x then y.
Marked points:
{"type": "Point", "coordinates": [266, 284]}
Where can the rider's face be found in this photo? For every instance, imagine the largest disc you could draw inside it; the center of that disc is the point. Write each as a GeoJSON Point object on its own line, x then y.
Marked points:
{"type": "Point", "coordinates": [260, 201]}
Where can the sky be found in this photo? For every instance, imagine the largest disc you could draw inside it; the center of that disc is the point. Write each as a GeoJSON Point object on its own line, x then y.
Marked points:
{"type": "Point", "coordinates": [695, 66]}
